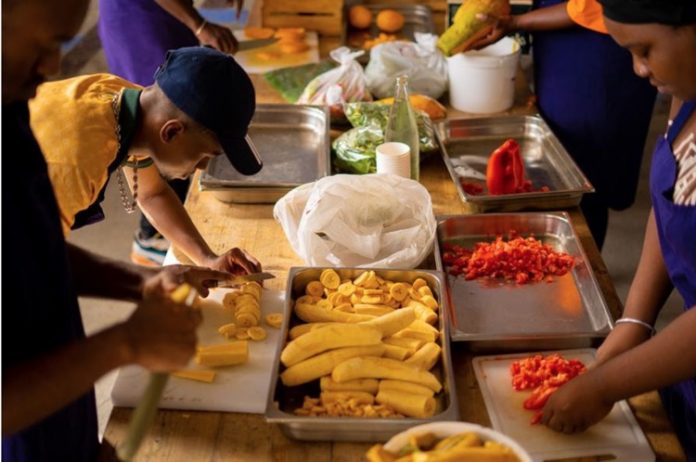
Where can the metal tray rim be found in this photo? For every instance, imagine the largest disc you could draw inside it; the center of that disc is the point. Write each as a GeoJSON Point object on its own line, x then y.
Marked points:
{"type": "Point", "coordinates": [423, 12]}
{"type": "Point", "coordinates": [565, 216]}
{"type": "Point", "coordinates": [275, 415]}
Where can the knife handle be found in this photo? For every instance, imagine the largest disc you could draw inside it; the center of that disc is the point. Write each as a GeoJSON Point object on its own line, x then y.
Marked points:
{"type": "Point", "coordinates": [145, 412]}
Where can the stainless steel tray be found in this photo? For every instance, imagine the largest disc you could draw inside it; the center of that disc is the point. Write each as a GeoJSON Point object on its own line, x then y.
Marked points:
{"type": "Point", "coordinates": [569, 312]}
{"type": "Point", "coordinates": [283, 400]}
{"type": "Point", "coordinates": [417, 18]}
{"type": "Point", "coordinates": [294, 143]}
{"type": "Point", "coordinates": [466, 145]}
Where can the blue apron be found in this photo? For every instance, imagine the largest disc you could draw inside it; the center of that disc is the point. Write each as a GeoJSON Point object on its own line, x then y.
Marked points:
{"type": "Point", "coordinates": [136, 35]}
{"type": "Point", "coordinates": [596, 105]}
{"type": "Point", "coordinates": [676, 227]}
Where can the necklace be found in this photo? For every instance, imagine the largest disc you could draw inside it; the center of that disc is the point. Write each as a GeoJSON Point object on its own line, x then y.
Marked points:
{"type": "Point", "coordinates": [129, 206]}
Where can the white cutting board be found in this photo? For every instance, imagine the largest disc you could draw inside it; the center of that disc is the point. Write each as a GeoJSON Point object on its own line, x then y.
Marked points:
{"type": "Point", "coordinates": [253, 64]}
{"type": "Point", "coordinates": [242, 388]}
{"type": "Point", "coordinates": [618, 434]}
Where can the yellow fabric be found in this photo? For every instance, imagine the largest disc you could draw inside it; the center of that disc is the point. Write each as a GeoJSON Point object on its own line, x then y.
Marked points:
{"type": "Point", "coordinates": [74, 123]}
{"type": "Point", "coordinates": [588, 14]}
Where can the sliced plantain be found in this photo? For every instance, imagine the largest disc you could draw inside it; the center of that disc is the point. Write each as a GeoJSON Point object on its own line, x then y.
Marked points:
{"type": "Point", "coordinates": [330, 279]}
{"type": "Point", "coordinates": [315, 289]}
{"type": "Point", "coordinates": [257, 333]}
{"type": "Point", "coordinates": [274, 320]}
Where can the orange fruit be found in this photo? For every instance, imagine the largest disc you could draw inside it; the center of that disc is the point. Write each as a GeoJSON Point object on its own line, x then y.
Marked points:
{"type": "Point", "coordinates": [258, 32]}
{"type": "Point", "coordinates": [292, 47]}
{"type": "Point", "coordinates": [268, 55]}
{"type": "Point", "coordinates": [390, 21]}
{"type": "Point", "coordinates": [360, 17]}
{"type": "Point", "coordinates": [291, 33]}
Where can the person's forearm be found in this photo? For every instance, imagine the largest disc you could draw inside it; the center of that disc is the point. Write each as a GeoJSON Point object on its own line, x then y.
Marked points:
{"type": "Point", "coordinates": [182, 10]}
{"type": "Point", "coordinates": [543, 19]}
{"type": "Point", "coordinates": [168, 215]}
{"type": "Point", "coordinates": [651, 284]}
{"type": "Point", "coordinates": [38, 388]}
{"type": "Point", "coordinates": [667, 358]}
{"type": "Point", "coordinates": [104, 277]}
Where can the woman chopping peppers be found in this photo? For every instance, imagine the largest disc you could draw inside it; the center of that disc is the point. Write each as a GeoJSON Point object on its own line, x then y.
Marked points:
{"type": "Point", "coordinates": [661, 36]}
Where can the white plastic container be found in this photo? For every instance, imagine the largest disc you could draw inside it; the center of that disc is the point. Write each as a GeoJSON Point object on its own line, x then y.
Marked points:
{"type": "Point", "coordinates": [483, 81]}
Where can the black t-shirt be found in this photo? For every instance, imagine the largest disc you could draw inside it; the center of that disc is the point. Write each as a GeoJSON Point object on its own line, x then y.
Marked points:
{"type": "Point", "coordinates": [38, 317]}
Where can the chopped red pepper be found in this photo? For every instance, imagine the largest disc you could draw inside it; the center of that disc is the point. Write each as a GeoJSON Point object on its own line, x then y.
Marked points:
{"type": "Point", "coordinates": [472, 189]}
{"type": "Point", "coordinates": [539, 397]}
{"type": "Point", "coordinates": [518, 259]}
{"type": "Point", "coordinates": [544, 375]}
{"type": "Point", "coordinates": [505, 171]}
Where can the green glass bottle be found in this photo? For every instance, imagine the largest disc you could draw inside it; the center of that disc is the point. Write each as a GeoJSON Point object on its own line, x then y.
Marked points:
{"type": "Point", "coordinates": [402, 125]}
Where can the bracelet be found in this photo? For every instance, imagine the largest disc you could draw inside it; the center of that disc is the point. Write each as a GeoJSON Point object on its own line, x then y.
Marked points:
{"type": "Point", "coordinates": [635, 321]}
{"type": "Point", "coordinates": [201, 27]}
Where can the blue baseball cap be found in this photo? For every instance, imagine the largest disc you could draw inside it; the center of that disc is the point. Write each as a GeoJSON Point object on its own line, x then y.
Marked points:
{"type": "Point", "coordinates": [214, 90]}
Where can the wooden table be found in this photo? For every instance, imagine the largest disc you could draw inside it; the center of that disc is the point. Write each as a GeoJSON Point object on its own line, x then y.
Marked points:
{"type": "Point", "coordinates": [213, 436]}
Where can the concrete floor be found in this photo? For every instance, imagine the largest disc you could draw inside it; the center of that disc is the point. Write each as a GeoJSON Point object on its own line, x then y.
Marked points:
{"type": "Point", "coordinates": [113, 236]}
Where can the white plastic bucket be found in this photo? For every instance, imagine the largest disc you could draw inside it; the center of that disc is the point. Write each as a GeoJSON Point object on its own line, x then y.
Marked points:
{"type": "Point", "coordinates": [483, 81]}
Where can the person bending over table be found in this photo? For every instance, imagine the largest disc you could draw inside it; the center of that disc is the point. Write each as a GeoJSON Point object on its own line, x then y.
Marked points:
{"type": "Point", "coordinates": [91, 126]}
{"type": "Point", "coordinates": [135, 36]}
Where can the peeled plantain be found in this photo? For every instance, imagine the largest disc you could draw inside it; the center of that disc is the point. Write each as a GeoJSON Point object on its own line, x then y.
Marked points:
{"type": "Point", "coordinates": [333, 336]}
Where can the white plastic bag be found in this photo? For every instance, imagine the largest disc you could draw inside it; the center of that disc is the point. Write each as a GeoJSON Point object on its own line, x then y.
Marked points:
{"type": "Point", "coordinates": [345, 83]}
{"type": "Point", "coordinates": [422, 62]}
{"type": "Point", "coordinates": [369, 221]}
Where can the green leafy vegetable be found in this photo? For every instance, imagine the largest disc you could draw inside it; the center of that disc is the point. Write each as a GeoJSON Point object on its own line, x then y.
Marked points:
{"type": "Point", "coordinates": [354, 150]}
{"type": "Point", "coordinates": [291, 81]}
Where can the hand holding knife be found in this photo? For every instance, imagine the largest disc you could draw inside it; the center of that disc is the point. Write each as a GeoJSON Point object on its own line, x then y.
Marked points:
{"type": "Point", "coordinates": [236, 281]}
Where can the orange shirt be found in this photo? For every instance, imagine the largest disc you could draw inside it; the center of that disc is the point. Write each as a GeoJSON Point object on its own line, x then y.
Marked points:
{"type": "Point", "coordinates": [73, 121]}
{"type": "Point", "coordinates": [588, 14]}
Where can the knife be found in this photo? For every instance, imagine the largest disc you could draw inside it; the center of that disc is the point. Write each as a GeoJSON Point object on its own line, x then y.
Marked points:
{"type": "Point", "coordinates": [239, 280]}
{"type": "Point", "coordinates": [250, 44]}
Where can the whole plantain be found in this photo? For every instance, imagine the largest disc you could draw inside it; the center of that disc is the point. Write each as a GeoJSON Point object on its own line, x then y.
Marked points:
{"type": "Point", "coordinates": [466, 28]}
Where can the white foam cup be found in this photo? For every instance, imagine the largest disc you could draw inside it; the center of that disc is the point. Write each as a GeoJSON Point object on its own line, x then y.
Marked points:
{"type": "Point", "coordinates": [394, 158]}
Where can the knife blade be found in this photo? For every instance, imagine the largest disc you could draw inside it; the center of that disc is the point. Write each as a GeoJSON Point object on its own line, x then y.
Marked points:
{"type": "Point", "coordinates": [239, 280]}
{"type": "Point", "coordinates": [245, 45]}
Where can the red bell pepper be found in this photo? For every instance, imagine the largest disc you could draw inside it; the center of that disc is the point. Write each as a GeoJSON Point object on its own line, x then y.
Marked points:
{"type": "Point", "coordinates": [505, 171]}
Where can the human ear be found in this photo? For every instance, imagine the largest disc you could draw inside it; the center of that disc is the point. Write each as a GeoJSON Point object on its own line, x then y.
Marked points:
{"type": "Point", "coordinates": [170, 130]}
